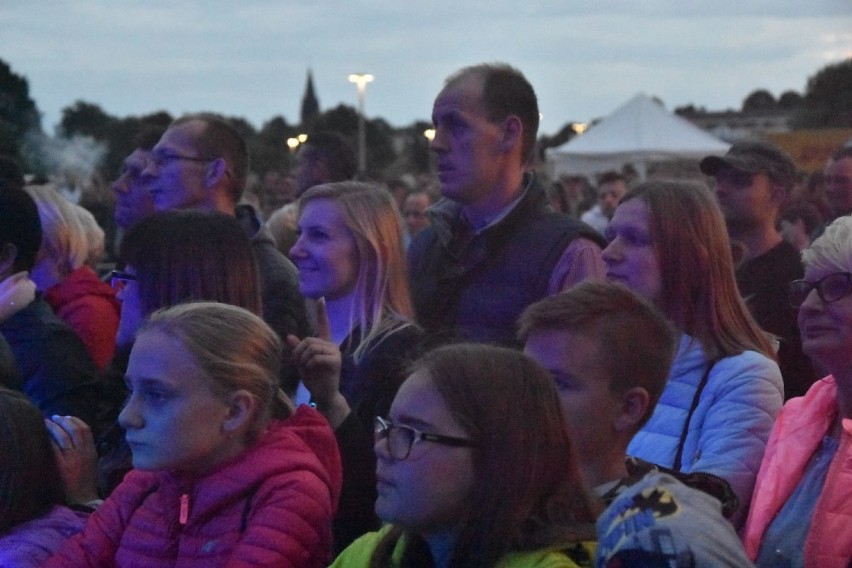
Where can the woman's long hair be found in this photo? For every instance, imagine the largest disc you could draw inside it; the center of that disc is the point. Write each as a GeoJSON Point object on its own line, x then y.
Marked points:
{"type": "Point", "coordinates": [182, 256]}
{"type": "Point", "coordinates": [527, 491]}
{"type": "Point", "coordinates": [384, 304]}
{"type": "Point", "coordinates": [699, 290]}
{"type": "Point", "coordinates": [30, 483]}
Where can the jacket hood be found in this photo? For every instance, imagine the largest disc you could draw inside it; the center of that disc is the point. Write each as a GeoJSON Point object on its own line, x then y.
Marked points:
{"type": "Point", "coordinates": [81, 282]}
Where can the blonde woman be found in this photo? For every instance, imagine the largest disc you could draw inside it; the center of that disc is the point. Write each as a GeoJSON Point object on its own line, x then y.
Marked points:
{"type": "Point", "coordinates": [350, 255]}
{"type": "Point", "coordinates": [69, 285]}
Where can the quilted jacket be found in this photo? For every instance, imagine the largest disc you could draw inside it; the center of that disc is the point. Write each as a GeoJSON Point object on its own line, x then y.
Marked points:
{"type": "Point", "coordinates": [799, 431]}
{"type": "Point", "coordinates": [272, 506]}
{"type": "Point", "coordinates": [731, 424]}
{"type": "Point", "coordinates": [89, 307]}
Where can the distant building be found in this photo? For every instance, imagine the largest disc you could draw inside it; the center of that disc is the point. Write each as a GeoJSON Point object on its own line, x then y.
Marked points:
{"type": "Point", "coordinates": [310, 104]}
{"type": "Point", "coordinates": [733, 126]}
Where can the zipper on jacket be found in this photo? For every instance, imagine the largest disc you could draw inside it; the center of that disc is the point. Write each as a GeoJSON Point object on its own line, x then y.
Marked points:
{"type": "Point", "coordinates": [184, 508]}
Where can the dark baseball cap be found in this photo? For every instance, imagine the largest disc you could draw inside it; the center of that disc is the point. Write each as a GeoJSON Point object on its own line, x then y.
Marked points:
{"type": "Point", "coordinates": [754, 158]}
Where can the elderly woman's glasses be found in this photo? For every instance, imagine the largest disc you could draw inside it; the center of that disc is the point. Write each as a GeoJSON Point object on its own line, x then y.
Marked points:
{"type": "Point", "coordinates": [829, 289]}
{"type": "Point", "coordinates": [119, 279]}
{"type": "Point", "coordinates": [401, 438]}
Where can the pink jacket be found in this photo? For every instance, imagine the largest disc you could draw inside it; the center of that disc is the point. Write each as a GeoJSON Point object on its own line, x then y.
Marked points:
{"type": "Point", "coordinates": [89, 307]}
{"type": "Point", "coordinates": [800, 428]}
{"type": "Point", "coordinates": [272, 506]}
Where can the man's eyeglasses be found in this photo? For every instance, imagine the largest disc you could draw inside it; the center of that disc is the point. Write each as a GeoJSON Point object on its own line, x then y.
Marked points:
{"type": "Point", "coordinates": [160, 159]}
{"type": "Point", "coordinates": [829, 289]}
{"type": "Point", "coordinates": [119, 279]}
{"type": "Point", "coordinates": [401, 438]}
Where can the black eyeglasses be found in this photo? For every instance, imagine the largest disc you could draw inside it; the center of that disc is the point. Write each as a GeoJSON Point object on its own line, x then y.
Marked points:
{"type": "Point", "coordinates": [829, 289]}
{"type": "Point", "coordinates": [119, 279]}
{"type": "Point", "coordinates": [160, 159]}
{"type": "Point", "coordinates": [401, 438]}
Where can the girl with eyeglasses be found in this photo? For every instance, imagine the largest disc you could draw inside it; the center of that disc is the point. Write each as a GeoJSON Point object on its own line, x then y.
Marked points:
{"type": "Point", "coordinates": [801, 512]}
{"type": "Point", "coordinates": [475, 469]}
{"type": "Point", "coordinates": [668, 242]}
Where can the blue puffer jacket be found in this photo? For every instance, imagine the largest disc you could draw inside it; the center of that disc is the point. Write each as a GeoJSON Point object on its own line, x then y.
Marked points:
{"type": "Point", "coordinates": [729, 429]}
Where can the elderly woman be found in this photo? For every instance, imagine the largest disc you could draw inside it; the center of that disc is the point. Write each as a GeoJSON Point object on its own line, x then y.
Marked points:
{"type": "Point", "coordinates": [801, 511]}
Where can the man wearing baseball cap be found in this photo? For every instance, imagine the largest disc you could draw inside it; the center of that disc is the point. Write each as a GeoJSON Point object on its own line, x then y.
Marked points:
{"type": "Point", "coordinates": [752, 182]}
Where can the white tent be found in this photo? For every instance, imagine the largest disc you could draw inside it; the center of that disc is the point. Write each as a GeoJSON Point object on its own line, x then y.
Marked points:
{"type": "Point", "coordinates": [638, 132]}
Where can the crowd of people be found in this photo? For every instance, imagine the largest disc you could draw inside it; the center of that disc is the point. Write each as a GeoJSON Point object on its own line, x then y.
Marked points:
{"type": "Point", "coordinates": [373, 377]}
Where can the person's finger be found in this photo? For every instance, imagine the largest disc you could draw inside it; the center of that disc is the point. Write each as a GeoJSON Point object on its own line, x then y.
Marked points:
{"type": "Point", "coordinates": [293, 341]}
{"type": "Point", "coordinates": [323, 328]}
{"type": "Point", "coordinates": [78, 431]}
{"type": "Point", "coordinates": [59, 435]}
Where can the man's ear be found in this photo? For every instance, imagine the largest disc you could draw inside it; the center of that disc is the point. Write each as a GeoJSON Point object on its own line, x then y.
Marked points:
{"type": "Point", "coordinates": [8, 254]}
{"type": "Point", "coordinates": [634, 408]}
{"type": "Point", "coordinates": [242, 408]}
{"type": "Point", "coordinates": [513, 132]}
{"type": "Point", "coordinates": [216, 171]}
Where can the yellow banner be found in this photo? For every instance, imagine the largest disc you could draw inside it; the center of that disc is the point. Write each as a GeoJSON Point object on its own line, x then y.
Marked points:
{"type": "Point", "coordinates": [811, 149]}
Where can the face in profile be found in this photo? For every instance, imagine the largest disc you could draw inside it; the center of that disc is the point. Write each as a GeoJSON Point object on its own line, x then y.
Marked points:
{"type": "Point", "coordinates": [131, 307]}
{"type": "Point", "coordinates": [826, 327]}
{"type": "Point", "coordinates": [429, 490]}
{"type": "Point", "coordinates": [589, 406]}
{"type": "Point", "coordinates": [172, 417]}
{"type": "Point", "coordinates": [631, 256]}
{"type": "Point", "coordinates": [467, 144]}
{"type": "Point", "coordinates": [838, 186]}
{"type": "Point", "coordinates": [177, 173]}
{"type": "Point", "coordinates": [325, 253]}
{"type": "Point", "coordinates": [133, 200]}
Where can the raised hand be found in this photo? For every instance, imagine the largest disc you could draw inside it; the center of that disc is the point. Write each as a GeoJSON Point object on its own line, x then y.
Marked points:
{"type": "Point", "coordinates": [74, 448]}
{"type": "Point", "coordinates": [319, 360]}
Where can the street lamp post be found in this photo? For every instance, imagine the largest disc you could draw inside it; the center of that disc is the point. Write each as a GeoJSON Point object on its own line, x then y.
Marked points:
{"type": "Point", "coordinates": [361, 80]}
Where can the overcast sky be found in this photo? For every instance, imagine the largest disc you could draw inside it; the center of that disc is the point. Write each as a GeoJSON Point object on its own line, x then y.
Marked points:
{"type": "Point", "coordinates": [249, 58]}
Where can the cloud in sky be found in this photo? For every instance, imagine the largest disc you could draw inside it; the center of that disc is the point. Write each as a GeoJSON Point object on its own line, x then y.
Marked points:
{"type": "Point", "coordinates": [250, 58]}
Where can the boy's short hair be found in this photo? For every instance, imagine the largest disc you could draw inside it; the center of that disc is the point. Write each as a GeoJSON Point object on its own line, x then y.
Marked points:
{"type": "Point", "coordinates": [637, 343]}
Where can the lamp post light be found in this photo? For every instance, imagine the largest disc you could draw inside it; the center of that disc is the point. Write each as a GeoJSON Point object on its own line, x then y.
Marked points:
{"type": "Point", "coordinates": [361, 80]}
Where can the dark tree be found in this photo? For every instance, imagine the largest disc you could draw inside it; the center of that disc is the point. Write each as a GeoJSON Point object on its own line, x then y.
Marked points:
{"type": "Point", "coordinates": [85, 119]}
{"type": "Point", "coordinates": [790, 99]}
{"type": "Point", "coordinates": [759, 100]}
{"type": "Point", "coordinates": [268, 149]}
{"type": "Point", "coordinates": [18, 113]}
{"type": "Point", "coordinates": [828, 98]}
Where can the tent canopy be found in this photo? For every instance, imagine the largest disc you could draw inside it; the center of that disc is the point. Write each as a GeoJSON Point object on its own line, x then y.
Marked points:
{"type": "Point", "coordinates": [638, 132]}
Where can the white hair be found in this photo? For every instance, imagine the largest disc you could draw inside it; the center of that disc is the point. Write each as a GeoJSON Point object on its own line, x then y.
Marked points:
{"type": "Point", "coordinates": [833, 249]}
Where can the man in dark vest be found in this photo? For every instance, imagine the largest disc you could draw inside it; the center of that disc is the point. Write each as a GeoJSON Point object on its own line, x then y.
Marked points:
{"type": "Point", "coordinates": [494, 245]}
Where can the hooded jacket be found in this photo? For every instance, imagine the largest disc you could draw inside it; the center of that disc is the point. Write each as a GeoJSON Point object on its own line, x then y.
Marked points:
{"type": "Point", "coordinates": [271, 506]}
{"type": "Point", "coordinates": [89, 307]}
{"type": "Point", "coordinates": [797, 434]}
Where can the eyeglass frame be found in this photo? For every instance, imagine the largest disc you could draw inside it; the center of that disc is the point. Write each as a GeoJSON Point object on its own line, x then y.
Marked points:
{"type": "Point", "coordinates": [818, 286]}
{"type": "Point", "coordinates": [122, 277]}
{"type": "Point", "coordinates": [382, 428]}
